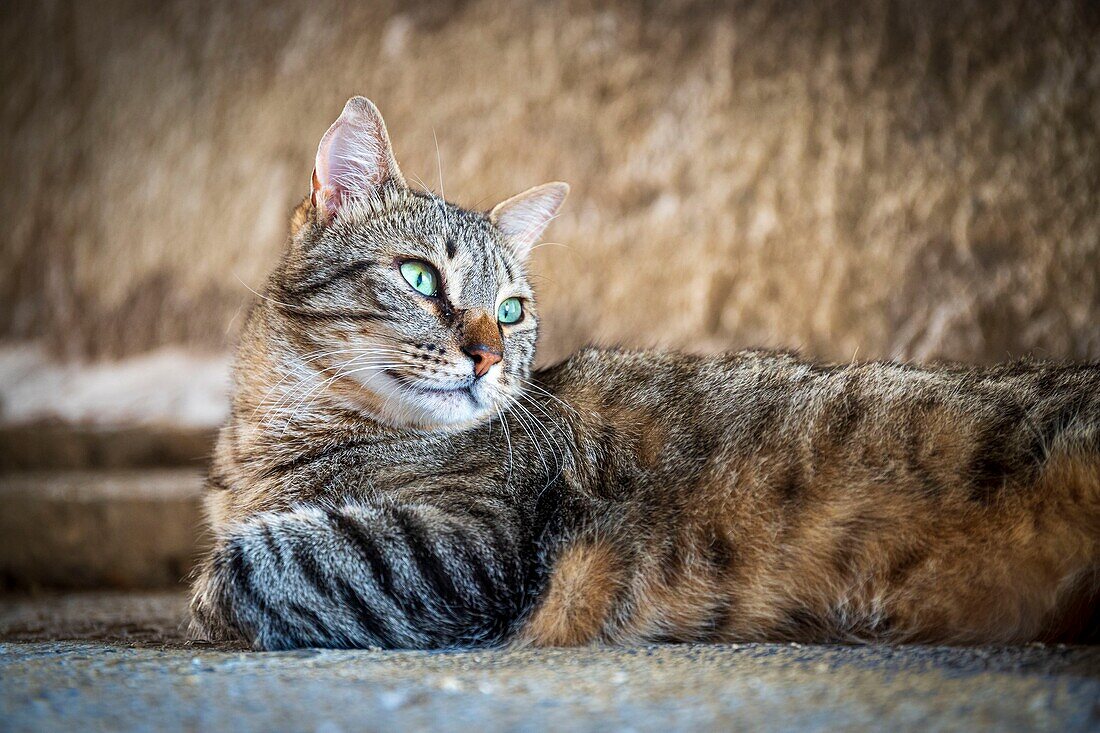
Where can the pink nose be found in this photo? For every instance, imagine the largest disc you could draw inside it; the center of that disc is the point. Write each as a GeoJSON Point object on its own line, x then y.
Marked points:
{"type": "Point", "coordinates": [484, 357]}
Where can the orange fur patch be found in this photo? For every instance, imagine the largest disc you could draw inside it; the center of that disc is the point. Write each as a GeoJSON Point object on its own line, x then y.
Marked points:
{"type": "Point", "coordinates": [581, 593]}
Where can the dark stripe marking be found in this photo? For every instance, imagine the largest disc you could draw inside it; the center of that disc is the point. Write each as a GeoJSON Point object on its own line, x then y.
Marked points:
{"type": "Point", "coordinates": [342, 273]}
{"type": "Point", "coordinates": [379, 569]}
{"type": "Point", "coordinates": [365, 616]}
{"type": "Point", "coordinates": [311, 570]}
{"type": "Point", "coordinates": [332, 315]}
{"type": "Point", "coordinates": [272, 545]}
{"type": "Point", "coordinates": [428, 563]}
{"type": "Point", "coordinates": [241, 573]}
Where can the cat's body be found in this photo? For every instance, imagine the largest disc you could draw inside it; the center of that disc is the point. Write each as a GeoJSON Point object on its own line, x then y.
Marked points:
{"type": "Point", "coordinates": [619, 496]}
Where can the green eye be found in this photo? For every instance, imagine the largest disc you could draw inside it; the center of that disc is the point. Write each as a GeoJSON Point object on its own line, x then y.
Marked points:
{"type": "Point", "coordinates": [510, 311]}
{"type": "Point", "coordinates": [421, 276]}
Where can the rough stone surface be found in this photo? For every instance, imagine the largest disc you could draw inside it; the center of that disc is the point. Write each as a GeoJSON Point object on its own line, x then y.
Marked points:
{"type": "Point", "coordinates": [909, 179]}
{"type": "Point", "coordinates": [140, 674]}
{"type": "Point", "coordinates": [120, 529]}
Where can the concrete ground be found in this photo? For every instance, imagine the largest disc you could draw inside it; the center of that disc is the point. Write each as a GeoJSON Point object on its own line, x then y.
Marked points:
{"type": "Point", "coordinates": [110, 661]}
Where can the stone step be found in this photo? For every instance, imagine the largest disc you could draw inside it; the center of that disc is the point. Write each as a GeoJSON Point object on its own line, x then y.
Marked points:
{"type": "Point", "coordinates": [98, 529]}
{"type": "Point", "coordinates": [128, 617]}
{"type": "Point", "coordinates": [67, 446]}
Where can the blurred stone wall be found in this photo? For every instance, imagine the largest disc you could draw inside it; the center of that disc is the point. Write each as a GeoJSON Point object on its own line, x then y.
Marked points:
{"type": "Point", "coordinates": [917, 180]}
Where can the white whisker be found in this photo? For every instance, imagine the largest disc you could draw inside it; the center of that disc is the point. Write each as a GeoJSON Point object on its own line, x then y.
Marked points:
{"type": "Point", "coordinates": [261, 295]}
{"type": "Point", "coordinates": [439, 164]}
{"type": "Point", "coordinates": [310, 358]}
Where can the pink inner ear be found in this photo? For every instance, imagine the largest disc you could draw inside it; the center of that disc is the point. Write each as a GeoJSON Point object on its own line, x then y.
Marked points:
{"type": "Point", "coordinates": [314, 196]}
{"type": "Point", "coordinates": [353, 159]}
{"type": "Point", "coordinates": [524, 217]}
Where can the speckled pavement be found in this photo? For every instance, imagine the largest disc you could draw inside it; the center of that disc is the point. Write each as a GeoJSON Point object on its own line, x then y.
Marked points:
{"type": "Point", "coordinates": [119, 662]}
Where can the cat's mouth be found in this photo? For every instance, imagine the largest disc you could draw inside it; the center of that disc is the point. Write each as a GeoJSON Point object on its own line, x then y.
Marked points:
{"type": "Point", "coordinates": [411, 400]}
{"type": "Point", "coordinates": [464, 390]}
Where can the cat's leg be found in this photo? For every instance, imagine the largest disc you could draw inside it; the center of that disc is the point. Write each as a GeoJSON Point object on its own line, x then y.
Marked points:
{"type": "Point", "coordinates": [362, 575]}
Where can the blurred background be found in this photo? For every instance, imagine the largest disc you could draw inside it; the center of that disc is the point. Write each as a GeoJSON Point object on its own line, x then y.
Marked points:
{"type": "Point", "coordinates": [910, 180]}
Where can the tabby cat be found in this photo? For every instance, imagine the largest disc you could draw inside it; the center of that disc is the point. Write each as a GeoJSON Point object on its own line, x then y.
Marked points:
{"type": "Point", "coordinates": [394, 474]}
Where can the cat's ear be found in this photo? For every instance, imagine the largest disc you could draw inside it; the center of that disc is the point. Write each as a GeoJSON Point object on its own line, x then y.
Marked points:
{"type": "Point", "coordinates": [353, 159]}
{"type": "Point", "coordinates": [524, 217]}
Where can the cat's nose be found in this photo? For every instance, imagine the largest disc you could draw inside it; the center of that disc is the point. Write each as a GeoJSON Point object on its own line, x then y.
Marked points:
{"type": "Point", "coordinates": [484, 357]}
{"type": "Point", "coordinates": [481, 341]}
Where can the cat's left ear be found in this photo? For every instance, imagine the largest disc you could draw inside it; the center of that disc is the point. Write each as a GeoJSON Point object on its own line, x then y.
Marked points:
{"type": "Point", "coordinates": [524, 217]}
{"type": "Point", "coordinates": [354, 158]}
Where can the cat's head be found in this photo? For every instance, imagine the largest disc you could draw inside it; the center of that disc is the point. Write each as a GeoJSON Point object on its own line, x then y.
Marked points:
{"type": "Point", "coordinates": [399, 304]}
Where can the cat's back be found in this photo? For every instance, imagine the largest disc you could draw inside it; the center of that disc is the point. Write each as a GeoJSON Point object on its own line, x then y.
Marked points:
{"type": "Point", "coordinates": [716, 399]}
{"type": "Point", "coordinates": [696, 385]}
{"type": "Point", "coordinates": [965, 427]}
{"type": "Point", "coordinates": [600, 375]}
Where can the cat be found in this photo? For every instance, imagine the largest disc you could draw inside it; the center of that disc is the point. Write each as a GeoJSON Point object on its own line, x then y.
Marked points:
{"type": "Point", "coordinates": [395, 474]}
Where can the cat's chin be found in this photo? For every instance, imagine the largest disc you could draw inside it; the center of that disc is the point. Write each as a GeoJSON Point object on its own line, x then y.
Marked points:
{"type": "Point", "coordinates": [429, 407]}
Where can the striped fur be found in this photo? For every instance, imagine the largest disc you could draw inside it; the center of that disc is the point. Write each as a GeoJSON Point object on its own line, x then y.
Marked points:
{"type": "Point", "coordinates": [619, 496]}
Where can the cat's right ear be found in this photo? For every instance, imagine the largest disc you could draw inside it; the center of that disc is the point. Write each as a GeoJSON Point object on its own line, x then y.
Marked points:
{"type": "Point", "coordinates": [524, 217]}
{"type": "Point", "coordinates": [354, 159]}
